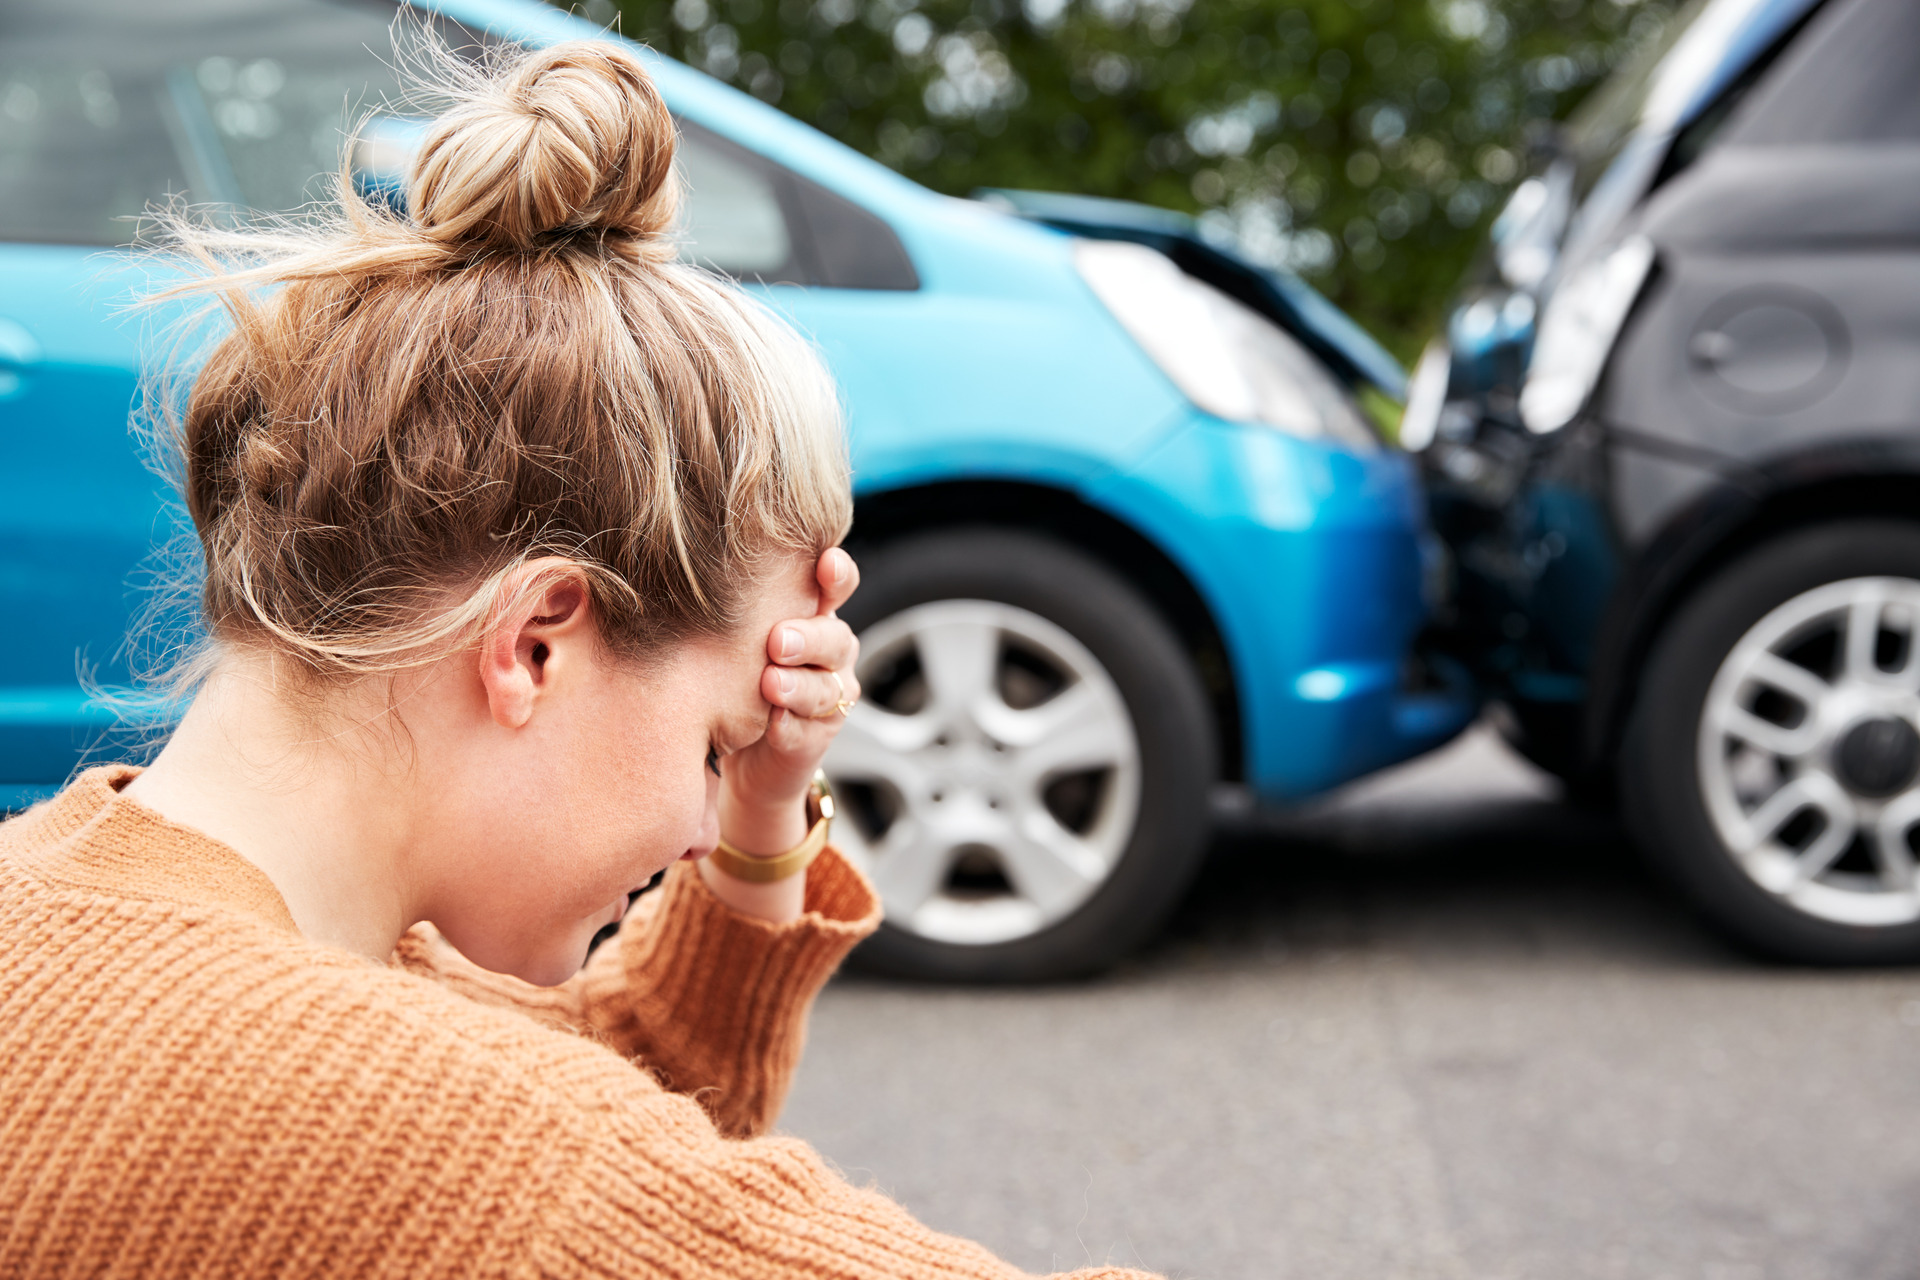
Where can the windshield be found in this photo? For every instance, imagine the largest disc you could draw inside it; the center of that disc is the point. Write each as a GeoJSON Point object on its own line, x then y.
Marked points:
{"type": "Point", "coordinates": [1698, 53]}
{"type": "Point", "coordinates": [1600, 127]}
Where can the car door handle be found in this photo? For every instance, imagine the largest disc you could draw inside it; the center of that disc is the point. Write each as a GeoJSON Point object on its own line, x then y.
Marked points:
{"type": "Point", "coordinates": [19, 354]}
{"type": "Point", "coordinates": [1712, 348]}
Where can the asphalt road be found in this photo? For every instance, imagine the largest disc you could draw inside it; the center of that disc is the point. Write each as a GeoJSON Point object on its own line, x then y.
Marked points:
{"type": "Point", "coordinates": [1443, 1026]}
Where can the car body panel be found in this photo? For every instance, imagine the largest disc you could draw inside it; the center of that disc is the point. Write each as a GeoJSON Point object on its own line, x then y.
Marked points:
{"type": "Point", "coordinates": [971, 385]}
{"type": "Point", "coordinates": [1302, 551]}
{"type": "Point", "coordinates": [68, 536]}
{"type": "Point", "coordinates": [1836, 277]}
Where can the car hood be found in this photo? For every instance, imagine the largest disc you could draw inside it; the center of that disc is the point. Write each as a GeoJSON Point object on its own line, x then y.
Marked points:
{"type": "Point", "coordinates": [1284, 297]}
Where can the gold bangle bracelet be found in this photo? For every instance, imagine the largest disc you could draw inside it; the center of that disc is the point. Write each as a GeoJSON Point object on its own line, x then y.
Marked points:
{"type": "Point", "coordinates": [755, 869]}
{"type": "Point", "coordinates": [744, 866]}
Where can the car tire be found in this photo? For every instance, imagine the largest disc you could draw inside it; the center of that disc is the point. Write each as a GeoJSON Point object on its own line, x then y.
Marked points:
{"type": "Point", "coordinates": [989, 657]}
{"type": "Point", "coordinates": [1771, 762]}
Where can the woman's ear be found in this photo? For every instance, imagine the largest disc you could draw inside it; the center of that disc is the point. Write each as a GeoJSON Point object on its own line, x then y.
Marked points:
{"type": "Point", "coordinates": [540, 639]}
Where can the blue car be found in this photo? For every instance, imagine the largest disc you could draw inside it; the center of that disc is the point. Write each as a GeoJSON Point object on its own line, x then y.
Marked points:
{"type": "Point", "coordinates": [1131, 548]}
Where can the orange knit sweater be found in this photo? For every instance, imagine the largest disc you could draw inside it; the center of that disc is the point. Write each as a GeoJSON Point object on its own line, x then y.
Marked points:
{"type": "Point", "coordinates": [189, 1088]}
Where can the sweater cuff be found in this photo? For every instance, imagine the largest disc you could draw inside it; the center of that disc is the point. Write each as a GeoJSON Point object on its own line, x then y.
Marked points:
{"type": "Point", "coordinates": [724, 996]}
{"type": "Point", "coordinates": [706, 961]}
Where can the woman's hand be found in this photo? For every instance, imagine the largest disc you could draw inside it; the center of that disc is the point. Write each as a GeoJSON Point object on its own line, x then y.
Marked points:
{"type": "Point", "coordinates": [808, 681]}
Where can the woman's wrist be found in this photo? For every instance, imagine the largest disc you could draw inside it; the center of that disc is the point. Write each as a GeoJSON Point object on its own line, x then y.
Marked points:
{"type": "Point", "coordinates": [763, 828]}
{"type": "Point", "coordinates": [760, 829]}
{"type": "Point", "coordinates": [776, 903]}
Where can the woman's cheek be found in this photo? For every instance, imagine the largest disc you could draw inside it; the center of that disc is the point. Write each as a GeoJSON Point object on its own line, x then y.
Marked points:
{"type": "Point", "coordinates": [707, 833]}
{"type": "Point", "coordinates": [695, 821]}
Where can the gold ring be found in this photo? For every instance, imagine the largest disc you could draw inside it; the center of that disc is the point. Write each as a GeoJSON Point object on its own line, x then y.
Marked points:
{"type": "Point", "coordinates": [843, 705]}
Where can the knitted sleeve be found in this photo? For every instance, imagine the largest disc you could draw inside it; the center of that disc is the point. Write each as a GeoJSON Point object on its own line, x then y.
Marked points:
{"type": "Point", "coordinates": [712, 1002]}
{"type": "Point", "coordinates": [592, 1170]}
{"type": "Point", "coordinates": [648, 1187]}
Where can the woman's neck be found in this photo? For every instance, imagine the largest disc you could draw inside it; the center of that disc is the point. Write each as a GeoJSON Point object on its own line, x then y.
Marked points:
{"type": "Point", "coordinates": [313, 809]}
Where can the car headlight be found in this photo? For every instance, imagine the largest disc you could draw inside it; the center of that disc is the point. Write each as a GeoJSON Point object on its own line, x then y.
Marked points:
{"type": "Point", "coordinates": [1577, 330]}
{"type": "Point", "coordinates": [1426, 396]}
{"type": "Point", "coordinates": [1224, 356]}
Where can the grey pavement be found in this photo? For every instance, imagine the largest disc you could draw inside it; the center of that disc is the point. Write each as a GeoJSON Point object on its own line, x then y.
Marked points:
{"type": "Point", "coordinates": [1441, 1026]}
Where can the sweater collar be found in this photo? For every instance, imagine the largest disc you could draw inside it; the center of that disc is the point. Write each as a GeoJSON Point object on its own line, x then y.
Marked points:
{"type": "Point", "coordinates": [92, 837]}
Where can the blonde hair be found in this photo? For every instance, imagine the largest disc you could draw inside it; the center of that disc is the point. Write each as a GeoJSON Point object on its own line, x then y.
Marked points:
{"type": "Point", "coordinates": [406, 407]}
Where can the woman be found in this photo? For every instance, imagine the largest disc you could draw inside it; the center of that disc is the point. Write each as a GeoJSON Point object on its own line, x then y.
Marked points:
{"type": "Point", "coordinates": [521, 571]}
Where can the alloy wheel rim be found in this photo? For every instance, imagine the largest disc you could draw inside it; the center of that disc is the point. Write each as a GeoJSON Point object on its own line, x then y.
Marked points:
{"type": "Point", "coordinates": [990, 776]}
{"type": "Point", "coordinates": [1809, 752]}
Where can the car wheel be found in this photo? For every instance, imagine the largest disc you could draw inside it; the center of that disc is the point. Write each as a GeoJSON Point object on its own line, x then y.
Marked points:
{"type": "Point", "coordinates": [1026, 776]}
{"type": "Point", "coordinates": [1772, 761]}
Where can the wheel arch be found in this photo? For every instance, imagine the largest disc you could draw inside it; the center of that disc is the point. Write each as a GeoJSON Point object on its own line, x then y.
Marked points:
{"type": "Point", "coordinates": [887, 514]}
{"type": "Point", "coordinates": [1712, 532]}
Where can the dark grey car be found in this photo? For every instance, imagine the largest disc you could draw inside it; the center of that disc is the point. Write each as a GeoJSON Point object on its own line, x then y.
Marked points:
{"type": "Point", "coordinates": [1673, 438]}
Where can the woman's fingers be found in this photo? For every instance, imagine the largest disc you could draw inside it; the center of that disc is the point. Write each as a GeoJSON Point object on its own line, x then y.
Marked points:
{"type": "Point", "coordinates": [791, 747]}
{"type": "Point", "coordinates": [838, 576]}
{"type": "Point", "coordinates": [810, 673]}
{"type": "Point", "coordinates": [806, 691]}
{"type": "Point", "coordinates": [813, 642]}
{"type": "Point", "coordinates": [790, 734]}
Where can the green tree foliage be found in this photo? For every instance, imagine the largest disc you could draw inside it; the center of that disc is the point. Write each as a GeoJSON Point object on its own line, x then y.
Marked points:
{"type": "Point", "coordinates": [1365, 143]}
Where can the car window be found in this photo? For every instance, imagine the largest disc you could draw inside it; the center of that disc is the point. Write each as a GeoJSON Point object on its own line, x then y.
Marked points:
{"type": "Point", "coordinates": [110, 106]}
{"type": "Point", "coordinates": [732, 220]}
{"type": "Point", "coordinates": [278, 116]}
{"type": "Point", "coordinates": [852, 248]}
{"type": "Point", "coordinates": [114, 106]}
{"type": "Point", "coordinates": [1852, 77]}
{"type": "Point", "coordinates": [757, 220]}
{"type": "Point", "coordinates": [81, 135]}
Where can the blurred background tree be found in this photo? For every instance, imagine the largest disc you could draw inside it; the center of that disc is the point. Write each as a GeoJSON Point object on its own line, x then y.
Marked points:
{"type": "Point", "coordinates": [1364, 143]}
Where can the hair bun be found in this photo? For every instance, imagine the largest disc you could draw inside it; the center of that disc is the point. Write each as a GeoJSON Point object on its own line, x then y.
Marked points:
{"type": "Point", "coordinates": [571, 140]}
